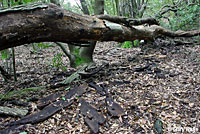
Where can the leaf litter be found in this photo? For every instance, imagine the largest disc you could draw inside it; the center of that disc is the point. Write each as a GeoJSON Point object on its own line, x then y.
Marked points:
{"type": "Point", "coordinates": [154, 85]}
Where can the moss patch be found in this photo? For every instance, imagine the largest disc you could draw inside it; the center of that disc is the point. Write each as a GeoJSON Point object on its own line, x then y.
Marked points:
{"type": "Point", "coordinates": [20, 92]}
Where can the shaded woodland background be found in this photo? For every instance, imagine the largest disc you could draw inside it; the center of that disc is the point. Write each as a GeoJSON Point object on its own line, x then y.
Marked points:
{"type": "Point", "coordinates": [156, 83]}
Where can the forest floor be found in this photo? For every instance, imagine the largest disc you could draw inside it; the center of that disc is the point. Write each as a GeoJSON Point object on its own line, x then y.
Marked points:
{"type": "Point", "coordinates": [151, 83]}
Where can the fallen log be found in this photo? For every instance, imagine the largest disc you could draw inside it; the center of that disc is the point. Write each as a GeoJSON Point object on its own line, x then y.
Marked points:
{"type": "Point", "coordinates": [47, 22]}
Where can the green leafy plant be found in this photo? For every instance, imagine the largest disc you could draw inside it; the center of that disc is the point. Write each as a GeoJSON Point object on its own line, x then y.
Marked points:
{"type": "Point", "coordinates": [79, 60]}
{"type": "Point", "coordinates": [63, 98]}
{"type": "Point", "coordinates": [5, 54]}
{"type": "Point", "coordinates": [136, 43]}
{"type": "Point", "coordinates": [43, 45]}
{"type": "Point", "coordinates": [67, 88]}
{"type": "Point", "coordinates": [130, 44]}
{"type": "Point", "coordinates": [57, 62]}
{"type": "Point", "coordinates": [127, 44]}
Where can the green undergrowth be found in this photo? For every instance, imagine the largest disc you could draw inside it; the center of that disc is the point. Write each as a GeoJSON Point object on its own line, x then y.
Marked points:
{"type": "Point", "coordinates": [130, 44]}
{"type": "Point", "coordinates": [58, 62]}
{"type": "Point", "coordinates": [20, 93]}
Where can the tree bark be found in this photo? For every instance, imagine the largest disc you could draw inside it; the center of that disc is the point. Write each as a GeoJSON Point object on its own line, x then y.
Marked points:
{"type": "Point", "coordinates": [48, 22]}
{"type": "Point", "coordinates": [82, 55]}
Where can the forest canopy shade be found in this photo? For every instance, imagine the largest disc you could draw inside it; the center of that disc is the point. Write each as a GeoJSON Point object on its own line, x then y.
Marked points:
{"type": "Point", "coordinates": [47, 22]}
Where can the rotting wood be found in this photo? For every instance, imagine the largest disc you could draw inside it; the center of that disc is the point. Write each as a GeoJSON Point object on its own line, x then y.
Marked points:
{"type": "Point", "coordinates": [20, 103]}
{"type": "Point", "coordinates": [113, 108]}
{"type": "Point", "coordinates": [91, 112]}
{"type": "Point", "coordinates": [17, 112]}
{"type": "Point", "coordinates": [14, 129]}
{"type": "Point", "coordinates": [91, 116]}
{"type": "Point", "coordinates": [93, 124]}
{"type": "Point", "coordinates": [47, 100]}
{"type": "Point", "coordinates": [99, 90]}
{"type": "Point", "coordinates": [51, 109]}
{"type": "Point", "coordinates": [92, 70]}
{"type": "Point", "coordinates": [74, 76]}
{"type": "Point", "coordinates": [86, 71]}
{"type": "Point", "coordinates": [18, 93]}
{"type": "Point", "coordinates": [27, 7]}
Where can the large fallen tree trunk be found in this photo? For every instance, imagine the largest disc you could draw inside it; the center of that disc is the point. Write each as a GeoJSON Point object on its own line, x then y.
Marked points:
{"type": "Point", "coordinates": [48, 22]}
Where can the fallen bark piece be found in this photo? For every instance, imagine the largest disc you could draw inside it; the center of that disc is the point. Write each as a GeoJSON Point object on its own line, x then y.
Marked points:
{"type": "Point", "coordinates": [16, 103]}
{"type": "Point", "coordinates": [140, 69]}
{"type": "Point", "coordinates": [76, 92]}
{"type": "Point", "coordinates": [51, 109]}
{"type": "Point", "coordinates": [92, 117]}
{"type": "Point", "coordinates": [91, 112]}
{"type": "Point", "coordinates": [93, 124]}
{"type": "Point", "coordinates": [113, 108]}
{"type": "Point", "coordinates": [13, 111]}
{"type": "Point", "coordinates": [14, 129]}
{"type": "Point", "coordinates": [100, 90]}
{"type": "Point", "coordinates": [74, 76]}
{"type": "Point", "coordinates": [43, 114]}
{"type": "Point", "coordinates": [47, 100]}
{"type": "Point", "coordinates": [89, 71]}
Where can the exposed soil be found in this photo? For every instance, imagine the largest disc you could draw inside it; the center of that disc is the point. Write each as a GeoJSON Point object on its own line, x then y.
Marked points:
{"type": "Point", "coordinates": [150, 83]}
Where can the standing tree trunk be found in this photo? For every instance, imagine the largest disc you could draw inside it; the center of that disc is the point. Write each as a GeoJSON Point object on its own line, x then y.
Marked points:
{"type": "Point", "coordinates": [131, 8]}
{"type": "Point", "coordinates": [82, 55]}
{"type": "Point", "coordinates": [11, 68]}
